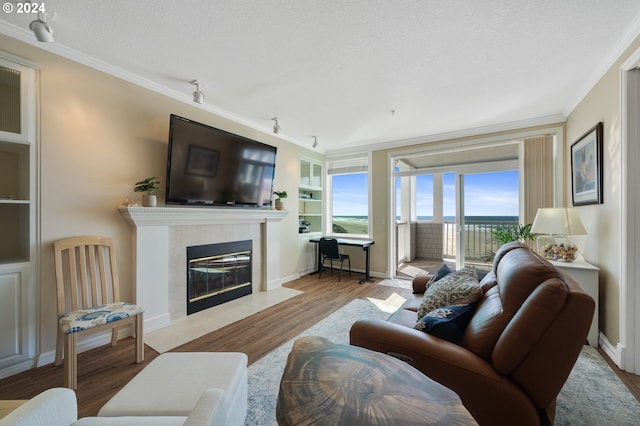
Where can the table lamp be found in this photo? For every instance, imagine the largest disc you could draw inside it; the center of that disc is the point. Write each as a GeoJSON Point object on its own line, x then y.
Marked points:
{"type": "Point", "coordinates": [557, 223]}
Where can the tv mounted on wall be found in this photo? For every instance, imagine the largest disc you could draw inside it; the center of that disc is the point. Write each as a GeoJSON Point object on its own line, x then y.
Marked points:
{"type": "Point", "coordinates": [209, 166]}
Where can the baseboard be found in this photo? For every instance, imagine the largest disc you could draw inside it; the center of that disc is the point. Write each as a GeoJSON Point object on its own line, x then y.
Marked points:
{"type": "Point", "coordinates": [18, 368]}
{"type": "Point", "coordinates": [613, 352]}
{"type": "Point", "coordinates": [157, 322]}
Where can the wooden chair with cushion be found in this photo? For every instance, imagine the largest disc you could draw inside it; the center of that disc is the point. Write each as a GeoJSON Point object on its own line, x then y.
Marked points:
{"type": "Point", "coordinates": [330, 249]}
{"type": "Point", "coordinates": [88, 297]}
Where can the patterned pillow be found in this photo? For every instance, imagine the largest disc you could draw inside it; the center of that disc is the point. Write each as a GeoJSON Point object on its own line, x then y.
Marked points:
{"type": "Point", "coordinates": [447, 322]}
{"type": "Point", "coordinates": [457, 288]}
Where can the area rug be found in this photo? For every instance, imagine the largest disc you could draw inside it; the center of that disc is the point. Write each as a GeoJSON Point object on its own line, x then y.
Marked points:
{"type": "Point", "coordinates": [593, 394]}
{"type": "Point", "coordinates": [265, 374]}
{"type": "Point", "coordinates": [397, 283]}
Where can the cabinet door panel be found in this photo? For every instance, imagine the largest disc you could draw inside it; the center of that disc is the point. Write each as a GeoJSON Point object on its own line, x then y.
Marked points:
{"type": "Point", "coordinates": [10, 307]}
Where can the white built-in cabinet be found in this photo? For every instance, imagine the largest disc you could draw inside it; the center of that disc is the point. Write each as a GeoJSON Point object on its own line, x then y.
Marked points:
{"type": "Point", "coordinates": [310, 210]}
{"type": "Point", "coordinates": [18, 254]}
{"type": "Point", "coordinates": [310, 194]}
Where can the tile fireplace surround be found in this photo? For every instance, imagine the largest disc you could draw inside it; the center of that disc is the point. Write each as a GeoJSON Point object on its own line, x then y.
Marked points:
{"type": "Point", "coordinates": [160, 238]}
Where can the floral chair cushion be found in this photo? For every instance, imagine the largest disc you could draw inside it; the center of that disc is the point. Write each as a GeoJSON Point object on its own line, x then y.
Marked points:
{"type": "Point", "coordinates": [84, 319]}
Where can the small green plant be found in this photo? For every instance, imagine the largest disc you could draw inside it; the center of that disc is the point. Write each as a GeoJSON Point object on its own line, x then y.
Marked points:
{"type": "Point", "coordinates": [280, 195]}
{"type": "Point", "coordinates": [507, 233]}
{"type": "Point", "coordinates": [148, 185]}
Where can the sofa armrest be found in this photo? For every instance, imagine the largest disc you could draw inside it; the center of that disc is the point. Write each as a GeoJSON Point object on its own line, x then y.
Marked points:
{"type": "Point", "coordinates": [53, 407]}
{"type": "Point", "coordinates": [208, 410]}
{"type": "Point", "coordinates": [474, 379]}
{"type": "Point", "coordinates": [414, 346]}
{"type": "Point", "coordinates": [420, 283]}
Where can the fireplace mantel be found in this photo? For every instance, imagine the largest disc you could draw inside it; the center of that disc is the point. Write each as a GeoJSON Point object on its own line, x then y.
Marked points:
{"type": "Point", "coordinates": [173, 216]}
{"type": "Point", "coordinates": [152, 248]}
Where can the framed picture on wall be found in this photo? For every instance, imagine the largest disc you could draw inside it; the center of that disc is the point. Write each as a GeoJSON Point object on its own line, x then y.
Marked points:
{"type": "Point", "coordinates": [586, 168]}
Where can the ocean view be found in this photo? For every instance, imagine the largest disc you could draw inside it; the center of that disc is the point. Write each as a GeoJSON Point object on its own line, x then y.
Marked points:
{"type": "Point", "coordinates": [359, 224]}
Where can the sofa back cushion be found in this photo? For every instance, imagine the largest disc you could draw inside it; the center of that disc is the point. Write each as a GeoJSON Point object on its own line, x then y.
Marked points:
{"type": "Point", "coordinates": [522, 295]}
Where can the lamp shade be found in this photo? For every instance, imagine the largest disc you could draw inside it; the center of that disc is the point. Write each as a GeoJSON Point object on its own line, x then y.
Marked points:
{"type": "Point", "coordinates": [559, 221]}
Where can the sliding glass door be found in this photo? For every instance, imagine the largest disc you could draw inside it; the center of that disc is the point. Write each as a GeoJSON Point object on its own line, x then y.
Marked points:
{"type": "Point", "coordinates": [450, 214]}
{"type": "Point", "coordinates": [486, 201]}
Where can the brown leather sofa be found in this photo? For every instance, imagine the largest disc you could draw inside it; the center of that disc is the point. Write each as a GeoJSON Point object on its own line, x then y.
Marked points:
{"type": "Point", "coordinates": [525, 335]}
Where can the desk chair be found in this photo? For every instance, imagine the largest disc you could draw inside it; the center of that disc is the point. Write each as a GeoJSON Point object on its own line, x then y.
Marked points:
{"type": "Point", "coordinates": [88, 296]}
{"type": "Point", "coordinates": [329, 249]}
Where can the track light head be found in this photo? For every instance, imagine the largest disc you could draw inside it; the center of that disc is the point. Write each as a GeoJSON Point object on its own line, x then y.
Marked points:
{"type": "Point", "coordinates": [198, 96]}
{"type": "Point", "coordinates": [42, 31]}
{"type": "Point", "coordinates": [276, 127]}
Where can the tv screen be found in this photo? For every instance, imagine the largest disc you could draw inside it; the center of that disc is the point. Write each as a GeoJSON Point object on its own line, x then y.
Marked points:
{"type": "Point", "coordinates": [208, 166]}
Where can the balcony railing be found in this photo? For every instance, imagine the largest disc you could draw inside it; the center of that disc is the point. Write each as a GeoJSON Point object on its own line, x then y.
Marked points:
{"type": "Point", "coordinates": [478, 239]}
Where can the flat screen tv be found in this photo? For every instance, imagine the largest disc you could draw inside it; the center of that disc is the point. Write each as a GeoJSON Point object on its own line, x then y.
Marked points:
{"type": "Point", "coordinates": [209, 166]}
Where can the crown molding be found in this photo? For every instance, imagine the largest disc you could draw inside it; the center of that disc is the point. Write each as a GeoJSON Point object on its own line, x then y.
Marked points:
{"type": "Point", "coordinates": [457, 134]}
{"type": "Point", "coordinates": [629, 36]}
{"type": "Point", "coordinates": [27, 37]}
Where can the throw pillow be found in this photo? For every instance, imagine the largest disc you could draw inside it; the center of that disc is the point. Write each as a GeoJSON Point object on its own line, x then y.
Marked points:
{"type": "Point", "coordinates": [442, 272]}
{"type": "Point", "coordinates": [457, 288]}
{"type": "Point", "coordinates": [448, 322]}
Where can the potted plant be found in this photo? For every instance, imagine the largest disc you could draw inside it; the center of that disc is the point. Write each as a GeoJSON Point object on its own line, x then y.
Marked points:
{"type": "Point", "coordinates": [149, 186]}
{"type": "Point", "coordinates": [280, 195]}
{"type": "Point", "coordinates": [507, 233]}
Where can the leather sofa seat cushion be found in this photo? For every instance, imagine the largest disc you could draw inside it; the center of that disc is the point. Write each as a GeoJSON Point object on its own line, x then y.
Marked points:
{"type": "Point", "coordinates": [413, 304]}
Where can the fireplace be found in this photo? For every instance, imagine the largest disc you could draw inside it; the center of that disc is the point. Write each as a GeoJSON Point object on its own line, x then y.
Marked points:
{"type": "Point", "coordinates": [161, 234]}
{"type": "Point", "coordinates": [218, 273]}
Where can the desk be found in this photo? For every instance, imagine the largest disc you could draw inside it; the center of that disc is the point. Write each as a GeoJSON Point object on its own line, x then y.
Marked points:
{"type": "Point", "coordinates": [364, 244]}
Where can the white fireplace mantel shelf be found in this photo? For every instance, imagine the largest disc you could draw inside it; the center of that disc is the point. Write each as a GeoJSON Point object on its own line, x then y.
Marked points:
{"type": "Point", "coordinates": [152, 243]}
{"type": "Point", "coordinates": [174, 216]}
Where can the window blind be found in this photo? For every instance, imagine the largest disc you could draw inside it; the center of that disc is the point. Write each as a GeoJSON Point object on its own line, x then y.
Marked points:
{"type": "Point", "coordinates": [344, 165]}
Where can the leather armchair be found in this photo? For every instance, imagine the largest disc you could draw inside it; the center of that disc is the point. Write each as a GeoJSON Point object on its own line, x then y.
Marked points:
{"type": "Point", "coordinates": [520, 346]}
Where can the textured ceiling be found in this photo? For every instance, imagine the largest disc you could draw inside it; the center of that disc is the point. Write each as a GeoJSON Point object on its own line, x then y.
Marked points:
{"type": "Point", "coordinates": [337, 69]}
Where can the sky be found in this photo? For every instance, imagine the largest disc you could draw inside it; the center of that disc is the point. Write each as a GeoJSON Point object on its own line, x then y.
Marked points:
{"type": "Point", "coordinates": [486, 194]}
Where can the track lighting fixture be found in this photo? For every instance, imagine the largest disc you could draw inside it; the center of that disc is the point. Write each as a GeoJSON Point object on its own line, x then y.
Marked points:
{"type": "Point", "coordinates": [315, 142]}
{"type": "Point", "coordinates": [42, 30]}
{"type": "Point", "coordinates": [198, 96]}
{"type": "Point", "coordinates": [276, 127]}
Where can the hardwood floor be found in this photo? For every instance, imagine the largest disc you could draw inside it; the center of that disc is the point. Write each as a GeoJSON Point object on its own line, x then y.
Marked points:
{"type": "Point", "coordinates": [103, 371]}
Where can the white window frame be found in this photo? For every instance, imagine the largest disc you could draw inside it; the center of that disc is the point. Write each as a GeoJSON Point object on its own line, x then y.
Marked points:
{"type": "Point", "coordinates": [343, 165]}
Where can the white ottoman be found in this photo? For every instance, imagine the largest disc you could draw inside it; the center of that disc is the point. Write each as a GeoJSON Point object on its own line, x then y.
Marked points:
{"type": "Point", "coordinates": [173, 382]}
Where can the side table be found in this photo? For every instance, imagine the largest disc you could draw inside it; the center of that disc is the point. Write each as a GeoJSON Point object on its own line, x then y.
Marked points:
{"type": "Point", "coordinates": [333, 384]}
{"type": "Point", "coordinates": [586, 275]}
